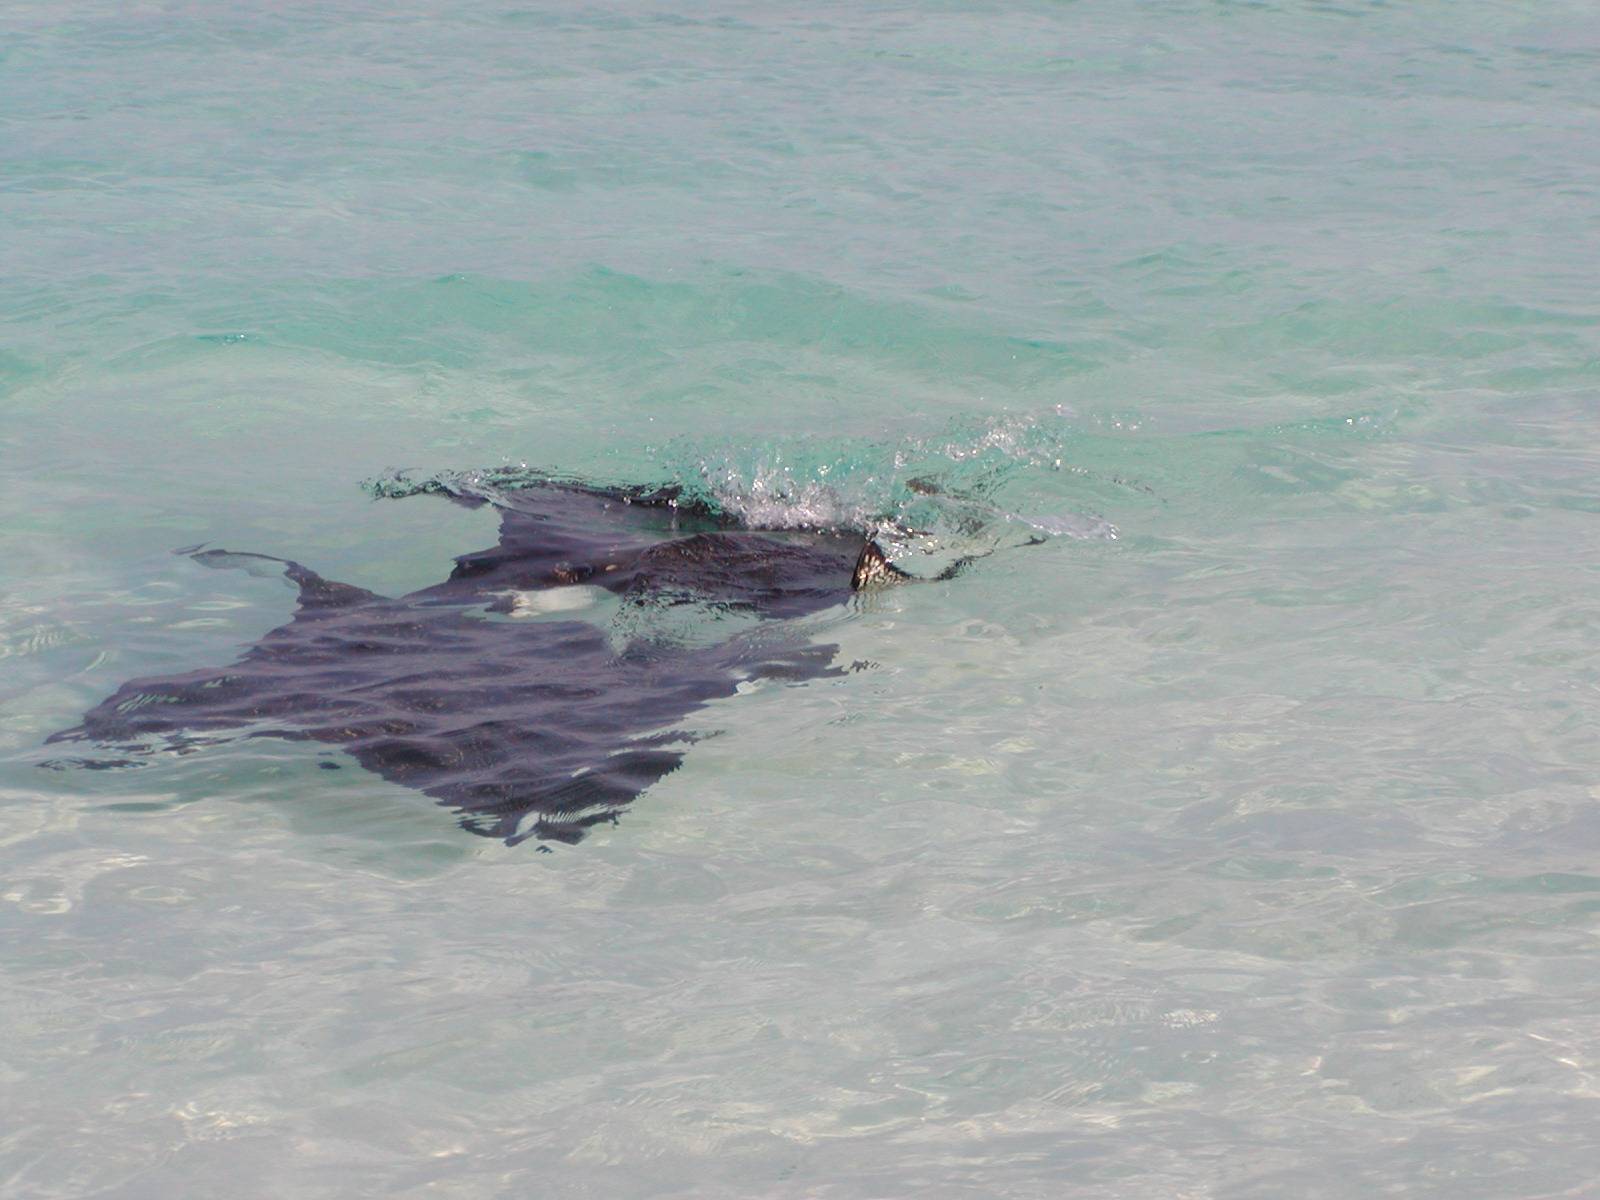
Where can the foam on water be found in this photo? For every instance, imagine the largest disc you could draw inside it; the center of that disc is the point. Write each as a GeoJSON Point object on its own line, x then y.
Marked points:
{"type": "Point", "coordinates": [924, 495]}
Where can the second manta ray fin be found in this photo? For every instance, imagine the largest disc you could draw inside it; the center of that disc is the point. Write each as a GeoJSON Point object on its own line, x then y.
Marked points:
{"type": "Point", "coordinates": [315, 591]}
{"type": "Point", "coordinates": [873, 569]}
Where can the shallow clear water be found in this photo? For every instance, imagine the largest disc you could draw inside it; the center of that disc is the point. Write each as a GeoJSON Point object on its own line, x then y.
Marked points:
{"type": "Point", "coordinates": [1249, 852]}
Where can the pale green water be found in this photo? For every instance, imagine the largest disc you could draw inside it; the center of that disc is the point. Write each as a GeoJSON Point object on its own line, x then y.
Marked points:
{"type": "Point", "coordinates": [1250, 853]}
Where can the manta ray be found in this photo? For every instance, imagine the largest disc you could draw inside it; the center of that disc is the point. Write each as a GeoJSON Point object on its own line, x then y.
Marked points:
{"type": "Point", "coordinates": [538, 727]}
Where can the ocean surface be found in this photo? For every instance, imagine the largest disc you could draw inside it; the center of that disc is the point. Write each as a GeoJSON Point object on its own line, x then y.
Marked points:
{"type": "Point", "coordinates": [1240, 840]}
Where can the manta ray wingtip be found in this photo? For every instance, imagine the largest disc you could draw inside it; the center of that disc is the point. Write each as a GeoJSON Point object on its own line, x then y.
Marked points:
{"type": "Point", "coordinates": [873, 569]}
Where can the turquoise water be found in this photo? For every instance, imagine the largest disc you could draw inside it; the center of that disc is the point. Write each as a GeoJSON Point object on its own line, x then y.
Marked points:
{"type": "Point", "coordinates": [1239, 841]}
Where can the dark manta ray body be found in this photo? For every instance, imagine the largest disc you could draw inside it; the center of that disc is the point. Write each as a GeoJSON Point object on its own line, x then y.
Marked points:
{"type": "Point", "coordinates": [526, 728]}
